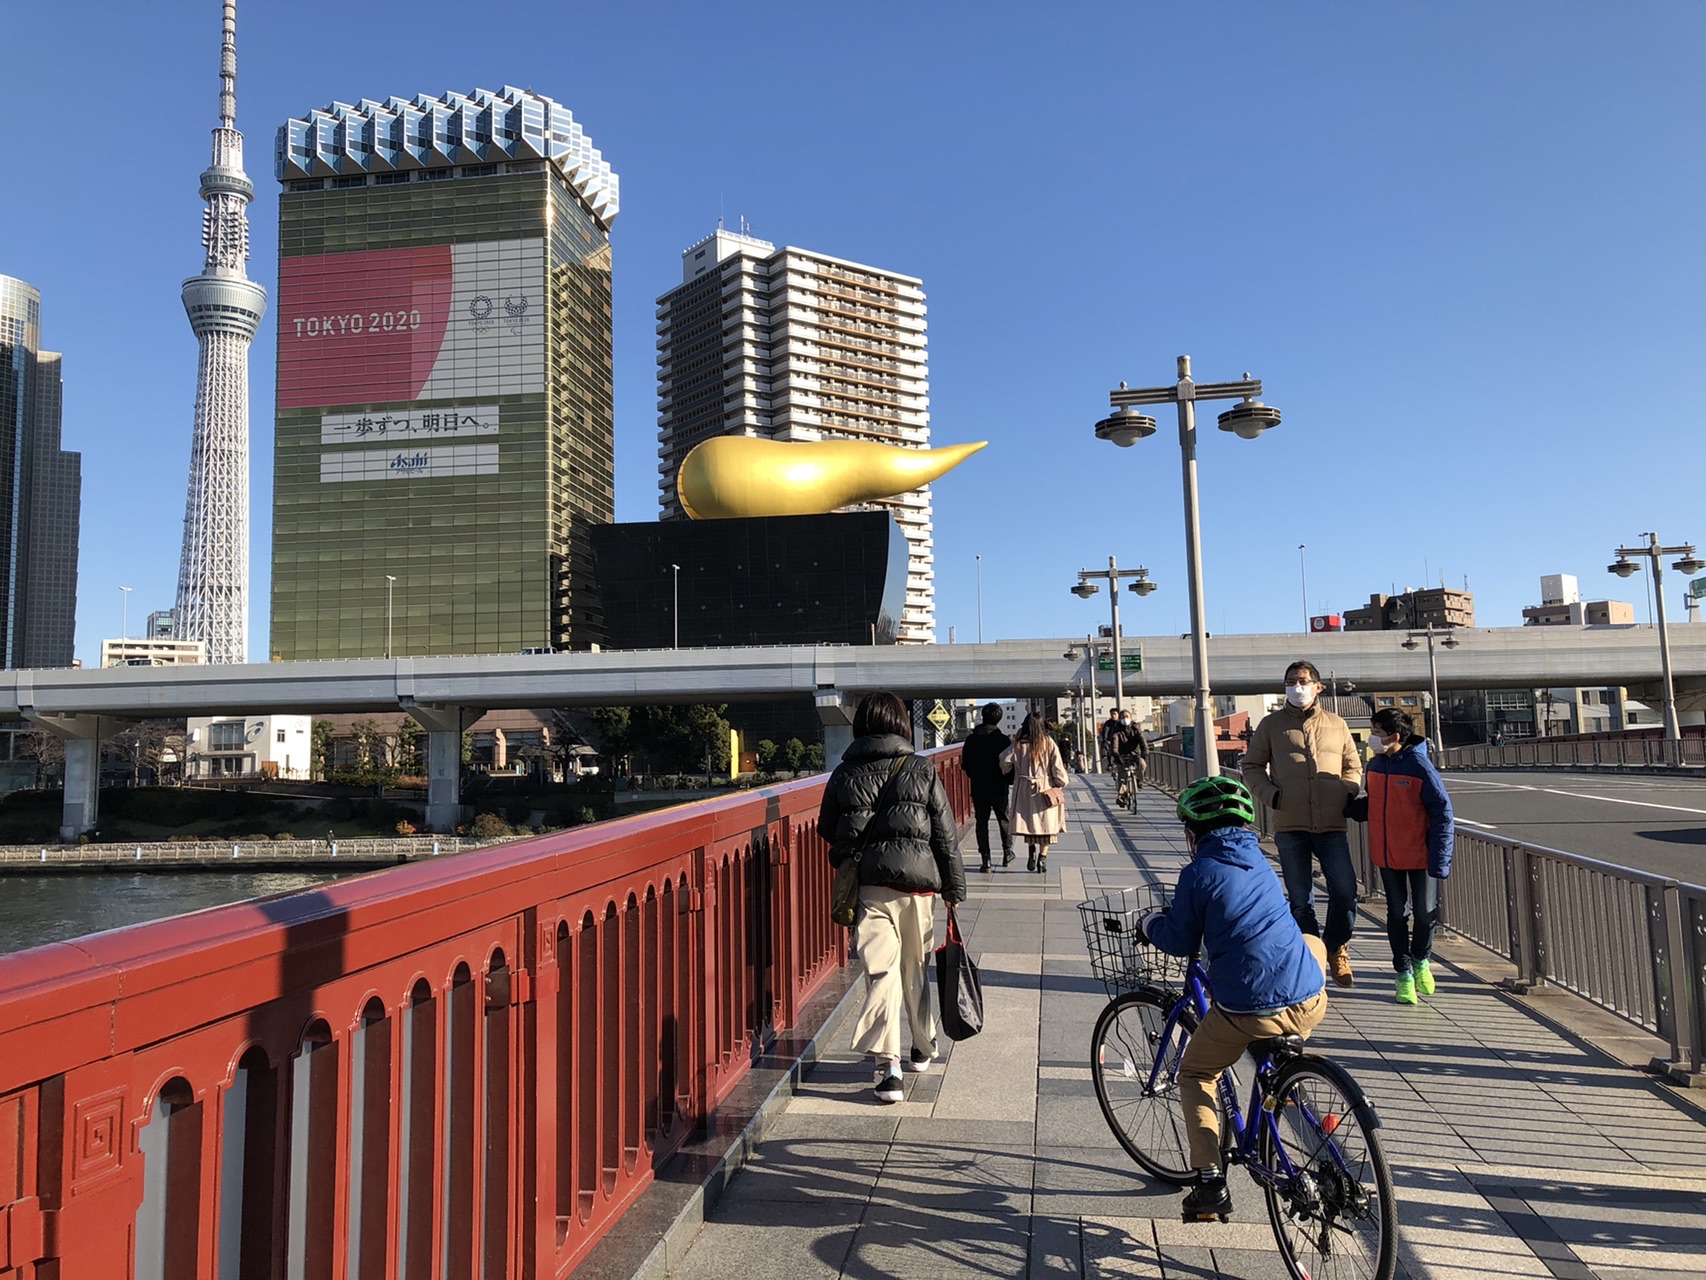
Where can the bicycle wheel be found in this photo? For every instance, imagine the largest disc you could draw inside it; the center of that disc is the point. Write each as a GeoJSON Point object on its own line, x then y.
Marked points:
{"type": "Point", "coordinates": [1150, 1124]}
{"type": "Point", "coordinates": [1336, 1219]}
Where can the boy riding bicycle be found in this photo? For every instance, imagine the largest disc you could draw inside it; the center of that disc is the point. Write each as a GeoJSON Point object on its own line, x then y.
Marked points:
{"type": "Point", "coordinates": [1268, 977]}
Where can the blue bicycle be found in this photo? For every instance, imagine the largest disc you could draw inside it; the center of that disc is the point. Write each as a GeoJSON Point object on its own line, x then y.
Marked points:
{"type": "Point", "coordinates": [1311, 1140]}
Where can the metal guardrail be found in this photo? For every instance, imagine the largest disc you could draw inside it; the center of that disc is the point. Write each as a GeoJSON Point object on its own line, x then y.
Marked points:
{"type": "Point", "coordinates": [1601, 753]}
{"type": "Point", "coordinates": [223, 853]}
{"type": "Point", "coordinates": [1628, 941]}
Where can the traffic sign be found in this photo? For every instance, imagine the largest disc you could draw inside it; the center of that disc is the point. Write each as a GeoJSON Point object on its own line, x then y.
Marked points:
{"type": "Point", "coordinates": [1128, 662]}
{"type": "Point", "coordinates": [939, 717]}
{"type": "Point", "coordinates": [1697, 588]}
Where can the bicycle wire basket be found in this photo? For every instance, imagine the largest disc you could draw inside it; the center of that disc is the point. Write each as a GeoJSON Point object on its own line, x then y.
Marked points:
{"type": "Point", "coordinates": [1117, 956]}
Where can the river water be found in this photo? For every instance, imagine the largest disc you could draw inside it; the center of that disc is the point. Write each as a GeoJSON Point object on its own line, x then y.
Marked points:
{"type": "Point", "coordinates": [37, 909]}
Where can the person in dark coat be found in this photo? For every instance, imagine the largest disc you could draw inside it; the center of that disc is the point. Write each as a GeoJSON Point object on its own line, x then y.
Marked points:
{"type": "Point", "coordinates": [980, 761]}
{"type": "Point", "coordinates": [889, 805]}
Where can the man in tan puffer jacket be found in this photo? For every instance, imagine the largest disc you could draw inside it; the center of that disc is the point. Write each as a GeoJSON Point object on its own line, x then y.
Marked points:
{"type": "Point", "coordinates": [1304, 765]}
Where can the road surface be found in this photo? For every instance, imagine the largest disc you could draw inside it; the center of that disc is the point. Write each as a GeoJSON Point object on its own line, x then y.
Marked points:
{"type": "Point", "coordinates": [1650, 822]}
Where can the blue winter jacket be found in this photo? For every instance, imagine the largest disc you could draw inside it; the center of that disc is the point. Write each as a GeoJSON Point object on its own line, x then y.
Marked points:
{"type": "Point", "coordinates": [1410, 824]}
{"type": "Point", "coordinates": [1229, 904]}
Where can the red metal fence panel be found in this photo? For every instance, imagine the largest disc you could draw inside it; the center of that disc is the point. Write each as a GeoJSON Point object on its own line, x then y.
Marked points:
{"type": "Point", "coordinates": [460, 1068]}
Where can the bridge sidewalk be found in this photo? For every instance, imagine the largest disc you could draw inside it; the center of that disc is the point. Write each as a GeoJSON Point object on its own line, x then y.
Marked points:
{"type": "Point", "coordinates": [1519, 1149]}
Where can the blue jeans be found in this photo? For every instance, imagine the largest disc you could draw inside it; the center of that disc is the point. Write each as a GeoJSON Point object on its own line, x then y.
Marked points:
{"type": "Point", "coordinates": [1298, 851]}
{"type": "Point", "coordinates": [1412, 912]}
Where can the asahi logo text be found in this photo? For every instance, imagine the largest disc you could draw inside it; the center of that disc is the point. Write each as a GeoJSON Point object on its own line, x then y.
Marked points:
{"type": "Point", "coordinates": [417, 461]}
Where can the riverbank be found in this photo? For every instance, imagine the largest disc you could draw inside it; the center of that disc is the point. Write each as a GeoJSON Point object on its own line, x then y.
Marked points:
{"type": "Point", "coordinates": [226, 855]}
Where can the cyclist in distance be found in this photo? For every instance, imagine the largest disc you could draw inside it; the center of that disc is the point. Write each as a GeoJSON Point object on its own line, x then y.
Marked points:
{"type": "Point", "coordinates": [1268, 977]}
{"type": "Point", "coordinates": [1129, 751]}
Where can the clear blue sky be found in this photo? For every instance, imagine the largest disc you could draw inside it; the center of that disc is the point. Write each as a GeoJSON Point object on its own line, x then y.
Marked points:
{"type": "Point", "coordinates": [1460, 242]}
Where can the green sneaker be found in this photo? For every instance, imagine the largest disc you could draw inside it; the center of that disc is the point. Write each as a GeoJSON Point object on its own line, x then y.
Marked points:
{"type": "Point", "coordinates": [1424, 978]}
{"type": "Point", "coordinates": [1406, 993]}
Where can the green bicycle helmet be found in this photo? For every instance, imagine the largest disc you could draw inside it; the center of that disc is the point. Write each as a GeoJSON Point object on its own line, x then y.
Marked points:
{"type": "Point", "coordinates": [1219, 800]}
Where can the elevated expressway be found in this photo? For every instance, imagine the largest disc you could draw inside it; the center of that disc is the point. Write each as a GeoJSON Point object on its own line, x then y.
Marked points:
{"type": "Point", "coordinates": [444, 695]}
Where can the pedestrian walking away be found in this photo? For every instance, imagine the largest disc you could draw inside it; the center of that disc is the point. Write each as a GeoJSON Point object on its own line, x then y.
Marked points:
{"type": "Point", "coordinates": [980, 761]}
{"type": "Point", "coordinates": [1266, 975]}
{"type": "Point", "coordinates": [886, 806]}
{"type": "Point", "coordinates": [1039, 789]}
{"type": "Point", "coordinates": [1410, 840]}
{"type": "Point", "coordinates": [1304, 765]}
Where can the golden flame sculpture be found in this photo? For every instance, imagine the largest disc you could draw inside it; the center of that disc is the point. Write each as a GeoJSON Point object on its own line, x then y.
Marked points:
{"type": "Point", "coordinates": [732, 476]}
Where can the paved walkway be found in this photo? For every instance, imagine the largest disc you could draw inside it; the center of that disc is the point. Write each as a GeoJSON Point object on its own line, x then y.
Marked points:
{"type": "Point", "coordinates": [1519, 1150]}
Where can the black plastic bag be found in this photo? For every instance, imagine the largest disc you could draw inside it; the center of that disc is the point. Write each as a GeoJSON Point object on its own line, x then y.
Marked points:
{"type": "Point", "coordinates": [960, 994]}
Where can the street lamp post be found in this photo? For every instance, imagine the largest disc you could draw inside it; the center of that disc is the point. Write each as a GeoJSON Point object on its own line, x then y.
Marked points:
{"type": "Point", "coordinates": [1089, 683]}
{"type": "Point", "coordinates": [1303, 573]}
{"type": "Point", "coordinates": [980, 599]}
{"type": "Point", "coordinates": [390, 587]}
{"type": "Point", "coordinates": [1688, 566]}
{"type": "Point", "coordinates": [1112, 574]}
{"type": "Point", "coordinates": [1449, 642]}
{"type": "Point", "coordinates": [124, 617]}
{"type": "Point", "coordinates": [1248, 419]}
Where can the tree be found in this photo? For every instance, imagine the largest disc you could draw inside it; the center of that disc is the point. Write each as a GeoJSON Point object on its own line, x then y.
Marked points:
{"type": "Point", "coordinates": [148, 746]}
{"type": "Point", "coordinates": [46, 750]}
{"type": "Point", "coordinates": [794, 756]}
{"type": "Point", "coordinates": [403, 748]}
{"type": "Point", "coordinates": [767, 756]}
{"type": "Point", "coordinates": [320, 748]}
{"type": "Point", "coordinates": [814, 757]}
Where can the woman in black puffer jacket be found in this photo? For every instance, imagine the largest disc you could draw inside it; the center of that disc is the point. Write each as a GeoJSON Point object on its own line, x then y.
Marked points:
{"type": "Point", "coordinates": [910, 854]}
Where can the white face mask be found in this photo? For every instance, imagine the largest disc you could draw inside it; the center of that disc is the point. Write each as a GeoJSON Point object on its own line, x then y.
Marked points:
{"type": "Point", "coordinates": [1376, 743]}
{"type": "Point", "coordinates": [1300, 695]}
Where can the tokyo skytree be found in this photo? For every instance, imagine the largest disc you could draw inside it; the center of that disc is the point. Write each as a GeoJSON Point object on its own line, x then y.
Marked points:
{"type": "Point", "coordinates": [225, 308]}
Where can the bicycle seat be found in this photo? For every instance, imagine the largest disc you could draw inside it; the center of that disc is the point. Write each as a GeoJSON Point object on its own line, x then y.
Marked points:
{"type": "Point", "coordinates": [1276, 1047]}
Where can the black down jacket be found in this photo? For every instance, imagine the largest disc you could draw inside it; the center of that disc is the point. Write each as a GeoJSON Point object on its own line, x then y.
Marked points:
{"type": "Point", "coordinates": [914, 844]}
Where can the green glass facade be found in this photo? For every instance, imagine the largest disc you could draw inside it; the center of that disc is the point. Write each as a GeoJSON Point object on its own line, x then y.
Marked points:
{"type": "Point", "coordinates": [444, 414]}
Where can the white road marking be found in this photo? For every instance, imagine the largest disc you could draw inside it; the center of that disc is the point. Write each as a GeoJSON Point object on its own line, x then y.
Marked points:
{"type": "Point", "coordinates": [1578, 795]}
{"type": "Point", "coordinates": [1470, 822]}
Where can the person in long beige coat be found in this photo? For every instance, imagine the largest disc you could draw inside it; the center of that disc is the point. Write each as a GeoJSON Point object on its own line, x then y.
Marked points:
{"type": "Point", "coordinates": [1039, 789]}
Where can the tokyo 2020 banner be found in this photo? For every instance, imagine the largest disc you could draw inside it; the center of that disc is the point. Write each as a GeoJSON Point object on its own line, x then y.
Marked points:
{"type": "Point", "coordinates": [392, 326]}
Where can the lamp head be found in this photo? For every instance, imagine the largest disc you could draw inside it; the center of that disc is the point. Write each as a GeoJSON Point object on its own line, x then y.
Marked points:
{"type": "Point", "coordinates": [1141, 584]}
{"type": "Point", "coordinates": [1450, 642]}
{"type": "Point", "coordinates": [1125, 427]}
{"type": "Point", "coordinates": [1249, 419]}
{"type": "Point", "coordinates": [1411, 644]}
{"type": "Point", "coordinates": [1084, 590]}
{"type": "Point", "coordinates": [1624, 568]}
{"type": "Point", "coordinates": [1688, 566]}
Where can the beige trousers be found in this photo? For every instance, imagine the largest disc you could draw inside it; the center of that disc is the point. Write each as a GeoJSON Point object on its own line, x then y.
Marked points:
{"type": "Point", "coordinates": [895, 936]}
{"type": "Point", "coordinates": [1218, 1043]}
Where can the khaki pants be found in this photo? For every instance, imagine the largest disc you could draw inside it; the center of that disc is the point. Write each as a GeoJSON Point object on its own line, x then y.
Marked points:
{"type": "Point", "coordinates": [1218, 1043]}
{"type": "Point", "coordinates": [895, 937]}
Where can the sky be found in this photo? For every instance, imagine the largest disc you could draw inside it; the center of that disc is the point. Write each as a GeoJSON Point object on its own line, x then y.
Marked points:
{"type": "Point", "coordinates": [1458, 242]}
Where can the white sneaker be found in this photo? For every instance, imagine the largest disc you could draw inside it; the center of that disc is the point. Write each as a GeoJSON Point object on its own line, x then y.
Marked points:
{"type": "Point", "coordinates": [890, 1087]}
{"type": "Point", "coordinates": [920, 1061]}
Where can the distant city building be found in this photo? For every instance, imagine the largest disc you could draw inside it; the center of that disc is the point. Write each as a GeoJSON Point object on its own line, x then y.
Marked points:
{"type": "Point", "coordinates": [788, 344]}
{"type": "Point", "coordinates": [444, 434]}
{"type": "Point", "coordinates": [260, 746]}
{"type": "Point", "coordinates": [1561, 605]}
{"type": "Point", "coordinates": [1417, 607]}
{"type": "Point", "coordinates": [41, 487]}
{"type": "Point", "coordinates": [145, 651]}
{"type": "Point", "coordinates": [225, 309]}
{"type": "Point", "coordinates": [160, 625]}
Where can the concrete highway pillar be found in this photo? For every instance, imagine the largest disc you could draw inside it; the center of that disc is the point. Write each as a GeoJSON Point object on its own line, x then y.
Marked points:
{"type": "Point", "coordinates": [444, 726]}
{"type": "Point", "coordinates": [82, 738]}
{"type": "Point", "coordinates": [837, 716]}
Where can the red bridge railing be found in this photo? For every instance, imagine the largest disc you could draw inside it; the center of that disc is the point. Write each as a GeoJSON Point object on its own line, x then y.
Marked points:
{"type": "Point", "coordinates": [462, 1068]}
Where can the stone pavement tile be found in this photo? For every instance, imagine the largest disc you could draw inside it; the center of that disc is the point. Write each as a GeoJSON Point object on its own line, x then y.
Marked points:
{"type": "Point", "coordinates": [1120, 1248]}
{"type": "Point", "coordinates": [740, 1242]}
{"type": "Point", "coordinates": [1073, 1122]}
{"type": "Point", "coordinates": [933, 1130]}
{"type": "Point", "coordinates": [805, 1172]}
{"type": "Point", "coordinates": [872, 1125]}
{"type": "Point", "coordinates": [980, 1179]}
{"type": "Point", "coordinates": [1057, 1248]}
{"type": "Point", "coordinates": [923, 1243]}
{"type": "Point", "coordinates": [1096, 1183]}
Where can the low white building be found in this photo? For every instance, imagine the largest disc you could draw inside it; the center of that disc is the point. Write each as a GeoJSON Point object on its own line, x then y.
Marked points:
{"type": "Point", "coordinates": [143, 651]}
{"type": "Point", "coordinates": [249, 747]}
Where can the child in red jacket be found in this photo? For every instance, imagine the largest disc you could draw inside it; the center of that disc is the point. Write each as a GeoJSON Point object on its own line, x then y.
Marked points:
{"type": "Point", "coordinates": [1410, 837]}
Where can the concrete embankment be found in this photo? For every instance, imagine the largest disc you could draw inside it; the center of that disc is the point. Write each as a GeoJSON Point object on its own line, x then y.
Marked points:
{"type": "Point", "coordinates": [199, 855]}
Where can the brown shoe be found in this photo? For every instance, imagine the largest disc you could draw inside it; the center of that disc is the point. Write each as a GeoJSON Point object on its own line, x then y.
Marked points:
{"type": "Point", "coordinates": [1339, 966]}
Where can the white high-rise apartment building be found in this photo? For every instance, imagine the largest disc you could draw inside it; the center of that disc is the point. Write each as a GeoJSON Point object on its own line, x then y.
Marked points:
{"type": "Point", "coordinates": [787, 344]}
